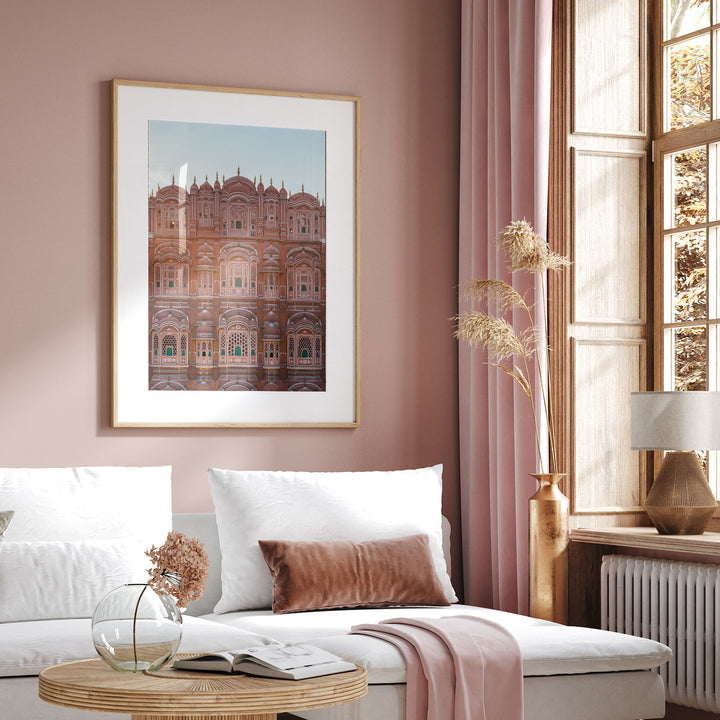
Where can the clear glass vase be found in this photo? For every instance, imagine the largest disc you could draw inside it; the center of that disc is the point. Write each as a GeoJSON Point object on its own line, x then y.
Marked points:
{"type": "Point", "coordinates": [135, 629]}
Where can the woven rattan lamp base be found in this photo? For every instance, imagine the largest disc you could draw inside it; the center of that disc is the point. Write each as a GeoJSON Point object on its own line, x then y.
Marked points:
{"type": "Point", "coordinates": [680, 501]}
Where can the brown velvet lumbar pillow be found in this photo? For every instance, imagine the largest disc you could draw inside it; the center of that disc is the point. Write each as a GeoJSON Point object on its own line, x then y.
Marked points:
{"type": "Point", "coordinates": [340, 574]}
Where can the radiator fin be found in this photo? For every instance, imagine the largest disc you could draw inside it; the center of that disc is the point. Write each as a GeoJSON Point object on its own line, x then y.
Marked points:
{"type": "Point", "coordinates": [676, 603]}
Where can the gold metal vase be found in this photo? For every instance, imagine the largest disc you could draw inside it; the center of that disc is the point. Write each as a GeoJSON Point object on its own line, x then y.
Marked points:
{"type": "Point", "coordinates": [549, 537]}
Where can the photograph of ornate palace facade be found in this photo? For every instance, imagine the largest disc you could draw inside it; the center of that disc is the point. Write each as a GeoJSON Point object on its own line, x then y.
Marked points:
{"type": "Point", "coordinates": [236, 287]}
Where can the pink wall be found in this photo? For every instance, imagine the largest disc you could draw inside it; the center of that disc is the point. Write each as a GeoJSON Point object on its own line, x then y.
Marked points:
{"type": "Point", "coordinates": [57, 58]}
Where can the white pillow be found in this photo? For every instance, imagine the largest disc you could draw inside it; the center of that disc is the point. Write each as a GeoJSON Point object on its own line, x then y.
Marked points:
{"type": "Point", "coordinates": [264, 505]}
{"type": "Point", "coordinates": [89, 503]}
{"type": "Point", "coordinates": [55, 579]}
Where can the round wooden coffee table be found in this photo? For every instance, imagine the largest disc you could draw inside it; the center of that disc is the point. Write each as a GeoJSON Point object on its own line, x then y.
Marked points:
{"type": "Point", "coordinates": [189, 695]}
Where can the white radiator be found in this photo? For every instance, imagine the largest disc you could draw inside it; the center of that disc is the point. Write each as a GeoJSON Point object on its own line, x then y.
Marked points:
{"type": "Point", "coordinates": [676, 603]}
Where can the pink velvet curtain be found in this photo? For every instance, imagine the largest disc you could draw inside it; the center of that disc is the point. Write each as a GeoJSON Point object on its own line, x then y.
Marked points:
{"type": "Point", "coordinates": [504, 137]}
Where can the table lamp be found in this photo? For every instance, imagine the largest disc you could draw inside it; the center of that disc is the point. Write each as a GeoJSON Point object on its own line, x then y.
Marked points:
{"type": "Point", "coordinates": [680, 501]}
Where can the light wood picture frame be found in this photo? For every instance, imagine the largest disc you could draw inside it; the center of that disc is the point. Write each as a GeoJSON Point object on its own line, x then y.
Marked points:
{"type": "Point", "coordinates": [235, 301]}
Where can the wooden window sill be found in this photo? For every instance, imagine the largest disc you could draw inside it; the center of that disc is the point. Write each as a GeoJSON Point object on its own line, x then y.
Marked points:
{"type": "Point", "coordinates": [648, 538]}
{"type": "Point", "coordinates": [588, 545]}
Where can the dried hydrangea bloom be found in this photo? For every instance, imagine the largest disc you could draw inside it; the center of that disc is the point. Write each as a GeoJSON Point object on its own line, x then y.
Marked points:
{"type": "Point", "coordinates": [180, 568]}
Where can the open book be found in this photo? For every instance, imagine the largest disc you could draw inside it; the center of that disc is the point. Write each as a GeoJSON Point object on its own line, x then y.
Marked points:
{"type": "Point", "coordinates": [292, 662]}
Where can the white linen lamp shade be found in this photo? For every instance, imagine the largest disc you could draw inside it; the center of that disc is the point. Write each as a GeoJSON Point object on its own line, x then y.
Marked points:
{"type": "Point", "coordinates": [680, 501]}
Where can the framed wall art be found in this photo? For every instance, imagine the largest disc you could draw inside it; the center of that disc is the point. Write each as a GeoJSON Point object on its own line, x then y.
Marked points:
{"type": "Point", "coordinates": [235, 239]}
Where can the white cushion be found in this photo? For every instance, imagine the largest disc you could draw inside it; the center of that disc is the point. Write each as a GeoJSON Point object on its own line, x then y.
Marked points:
{"type": "Point", "coordinates": [264, 505]}
{"type": "Point", "coordinates": [307, 626]}
{"type": "Point", "coordinates": [557, 650]}
{"type": "Point", "coordinates": [545, 651]}
{"type": "Point", "coordinates": [89, 503]}
{"type": "Point", "coordinates": [547, 648]}
{"type": "Point", "coordinates": [28, 647]}
{"type": "Point", "coordinates": [55, 579]}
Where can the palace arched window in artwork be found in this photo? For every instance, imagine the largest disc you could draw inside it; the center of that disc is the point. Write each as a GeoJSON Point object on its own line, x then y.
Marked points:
{"type": "Point", "coordinates": [238, 271]}
{"type": "Point", "coordinates": [239, 275]}
{"type": "Point", "coordinates": [205, 214]}
{"type": "Point", "coordinates": [305, 341]}
{"type": "Point", "coordinates": [237, 344]}
{"type": "Point", "coordinates": [205, 285]}
{"type": "Point", "coordinates": [172, 278]}
{"type": "Point", "coordinates": [271, 353]}
{"type": "Point", "coordinates": [271, 272]}
{"type": "Point", "coordinates": [170, 270]}
{"type": "Point", "coordinates": [305, 349]}
{"type": "Point", "coordinates": [238, 338]}
{"type": "Point", "coordinates": [169, 339]}
{"type": "Point", "coordinates": [169, 345]}
{"type": "Point", "coordinates": [304, 274]}
{"type": "Point", "coordinates": [236, 220]}
{"type": "Point", "coordinates": [203, 353]}
{"type": "Point", "coordinates": [303, 281]}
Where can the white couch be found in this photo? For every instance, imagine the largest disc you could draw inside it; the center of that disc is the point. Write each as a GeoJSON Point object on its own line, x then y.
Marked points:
{"type": "Point", "coordinates": [569, 673]}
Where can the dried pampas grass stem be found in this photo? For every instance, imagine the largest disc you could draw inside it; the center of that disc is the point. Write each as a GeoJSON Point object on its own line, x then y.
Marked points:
{"type": "Point", "coordinates": [527, 251]}
{"type": "Point", "coordinates": [492, 333]}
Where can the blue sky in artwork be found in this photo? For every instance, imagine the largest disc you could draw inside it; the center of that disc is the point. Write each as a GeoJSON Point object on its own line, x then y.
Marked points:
{"type": "Point", "coordinates": [187, 150]}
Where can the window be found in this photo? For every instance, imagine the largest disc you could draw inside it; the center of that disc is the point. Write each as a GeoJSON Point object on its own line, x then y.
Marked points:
{"type": "Point", "coordinates": [687, 217]}
{"type": "Point", "coordinates": [171, 273]}
{"type": "Point", "coordinates": [239, 344]}
{"type": "Point", "coordinates": [304, 350]}
{"type": "Point", "coordinates": [169, 345]}
{"type": "Point", "coordinates": [205, 283]}
{"type": "Point", "coordinates": [613, 94]}
{"type": "Point", "coordinates": [272, 353]}
{"type": "Point", "coordinates": [599, 306]}
{"type": "Point", "coordinates": [240, 275]}
{"type": "Point", "coordinates": [303, 277]}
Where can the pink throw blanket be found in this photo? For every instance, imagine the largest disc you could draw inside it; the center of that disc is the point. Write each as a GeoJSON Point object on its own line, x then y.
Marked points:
{"type": "Point", "coordinates": [458, 667]}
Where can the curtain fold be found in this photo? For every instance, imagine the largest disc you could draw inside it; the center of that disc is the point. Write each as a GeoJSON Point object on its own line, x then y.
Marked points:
{"type": "Point", "coordinates": [504, 139]}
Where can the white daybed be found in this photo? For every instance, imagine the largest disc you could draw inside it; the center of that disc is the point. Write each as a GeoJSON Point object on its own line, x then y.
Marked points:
{"type": "Point", "coordinates": [570, 673]}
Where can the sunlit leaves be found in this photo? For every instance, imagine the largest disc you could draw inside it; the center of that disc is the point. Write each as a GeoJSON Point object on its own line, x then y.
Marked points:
{"type": "Point", "coordinates": [688, 103]}
{"type": "Point", "coordinates": [690, 357]}
{"type": "Point", "coordinates": [690, 276]}
{"type": "Point", "coordinates": [690, 81]}
{"type": "Point", "coordinates": [690, 186]}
